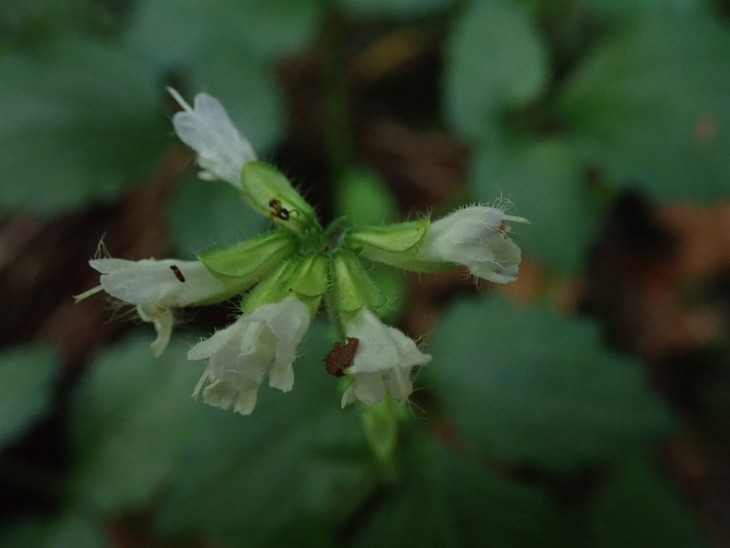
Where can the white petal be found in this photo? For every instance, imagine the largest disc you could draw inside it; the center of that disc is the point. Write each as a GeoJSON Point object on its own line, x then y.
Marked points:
{"type": "Point", "coordinates": [163, 321]}
{"type": "Point", "coordinates": [503, 263]}
{"type": "Point", "coordinates": [289, 320]}
{"type": "Point", "coordinates": [384, 360]}
{"type": "Point", "coordinates": [260, 344]}
{"type": "Point", "coordinates": [209, 131]}
{"type": "Point", "coordinates": [473, 236]}
{"type": "Point", "coordinates": [380, 346]}
{"type": "Point", "coordinates": [168, 282]}
{"type": "Point", "coordinates": [207, 347]}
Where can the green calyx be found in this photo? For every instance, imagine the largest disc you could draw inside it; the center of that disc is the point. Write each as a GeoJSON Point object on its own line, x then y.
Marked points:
{"type": "Point", "coordinates": [306, 277]}
{"type": "Point", "coordinates": [393, 238]}
{"type": "Point", "coordinates": [353, 288]}
{"type": "Point", "coordinates": [252, 259]}
{"type": "Point", "coordinates": [270, 193]}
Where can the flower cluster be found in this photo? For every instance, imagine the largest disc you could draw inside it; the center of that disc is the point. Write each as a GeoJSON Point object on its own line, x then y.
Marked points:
{"type": "Point", "coordinates": [285, 274]}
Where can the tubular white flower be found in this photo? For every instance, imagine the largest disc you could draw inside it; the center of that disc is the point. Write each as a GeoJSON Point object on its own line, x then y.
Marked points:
{"type": "Point", "coordinates": [207, 129]}
{"type": "Point", "coordinates": [475, 237]}
{"type": "Point", "coordinates": [383, 362]}
{"type": "Point", "coordinates": [244, 353]}
{"type": "Point", "coordinates": [157, 286]}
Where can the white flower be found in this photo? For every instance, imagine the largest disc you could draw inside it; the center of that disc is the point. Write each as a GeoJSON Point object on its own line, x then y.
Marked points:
{"type": "Point", "coordinates": [383, 362]}
{"type": "Point", "coordinates": [241, 355]}
{"type": "Point", "coordinates": [157, 286]}
{"type": "Point", "coordinates": [207, 129]}
{"type": "Point", "coordinates": [475, 237]}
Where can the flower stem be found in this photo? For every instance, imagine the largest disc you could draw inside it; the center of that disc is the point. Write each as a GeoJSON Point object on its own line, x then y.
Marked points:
{"type": "Point", "coordinates": [336, 104]}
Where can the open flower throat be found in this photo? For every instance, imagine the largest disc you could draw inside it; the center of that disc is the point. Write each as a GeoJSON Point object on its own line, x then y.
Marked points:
{"type": "Point", "coordinates": [286, 273]}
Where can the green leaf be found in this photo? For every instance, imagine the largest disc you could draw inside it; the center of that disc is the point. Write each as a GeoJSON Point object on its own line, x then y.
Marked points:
{"type": "Point", "coordinates": [623, 8]}
{"type": "Point", "coordinates": [395, 238]}
{"type": "Point", "coordinates": [66, 531]}
{"type": "Point", "coordinates": [447, 501]}
{"type": "Point", "coordinates": [246, 88]}
{"type": "Point", "coordinates": [174, 31]}
{"type": "Point", "coordinates": [495, 60]}
{"type": "Point", "coordinates": [203, 214]}
{"type": "Point", "coordinates": [532, 386]}
{"type": "Point", "coordinates": [639, 508]}
{"type": "Point", "coordinates": [79, 121]}
{"type": "Point", "coordinates": [649, 106]}
{"type": "Point", "coordinates": [364, 198]}
{"type": "Point", "coordinates": [243, 480]}
{"type": "Point", "coordinates": [131, 415]}
{"type": "Point", "coordinates": [402, 8]}
{"type": "Point", "coordinates": [251, 258]}
{"type": "Point", "coordinates": [27, 374]}
{"type": "Point", "coordinates": [544, 180]}
{"type": "Point", "coordinates": [227, 48]}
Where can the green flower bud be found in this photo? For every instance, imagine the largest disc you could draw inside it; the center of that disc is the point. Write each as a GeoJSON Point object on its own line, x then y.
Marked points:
{"type": "Point", "coordinates": [270, 193]}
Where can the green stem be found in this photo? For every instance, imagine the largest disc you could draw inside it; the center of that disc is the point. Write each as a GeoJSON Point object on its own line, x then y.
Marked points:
{"type": "Point", "coordinates": [332, 300]}
{"type": "Point", "coordinates": [336, 104]}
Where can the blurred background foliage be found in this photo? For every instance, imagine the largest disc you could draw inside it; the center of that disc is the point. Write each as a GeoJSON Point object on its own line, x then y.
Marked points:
{"type": "Point", "coordinates": [586, 404]}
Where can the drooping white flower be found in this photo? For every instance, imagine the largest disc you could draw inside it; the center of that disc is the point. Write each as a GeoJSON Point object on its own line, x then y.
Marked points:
{"type": "Point", "coordinates": [383, 362]}
{"type": "Point", "coordinates": [207, 129]}
{"type": "Point", "coordinates": [156, 287]}
{"type": "Point", "coordinates": [257, 345]}
{"type": "Point", "coordinates": [474, 236]}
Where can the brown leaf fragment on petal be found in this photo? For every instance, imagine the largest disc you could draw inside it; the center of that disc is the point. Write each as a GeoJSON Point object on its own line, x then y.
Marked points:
{"type": "Point", "coordinates": [341, 356]}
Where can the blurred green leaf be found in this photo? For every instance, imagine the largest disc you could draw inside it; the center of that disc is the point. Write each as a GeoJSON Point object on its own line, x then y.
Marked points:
{"type": "Point", "coordinates": [79, 121]}
{"type": "Point", "coordinates": [66, 531]}
{"type": "Point", "coordinates": [243, 480]}
{"type": "Point", "coordinates": [624, 8]}
{"type": "Point", "coordinates": [27, 374]}
{"type": "Point", "coordinates": [227, 48]}
{"type": "Point", "coordinates": [447, 501]}
{"type": "Point", "coordinates": [545, 182]}
{"type": "Point", "coordinates": [245, 87]}
{"type": "Point", "coordinates": [532, 386]}
{"type": "Point", "coordinates": [170, 32]}
{"type": "Point", "coordinates": [394, 7]}
{"type": "Point", "coordinates": [204, 214]}
{"type": "Point", "coordinates": [495, 60]}
{"type": "Point", "coordinates": [365, 199]}
{"type": "Point", "coordinates": [131, 415]}
{"type": "Point", "coordinates": [650, 106]}
{"type": "Point", "coordinates": [640, 509]}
